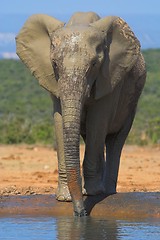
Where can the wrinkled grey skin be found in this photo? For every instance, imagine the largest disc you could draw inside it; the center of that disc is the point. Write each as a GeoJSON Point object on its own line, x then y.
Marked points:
{"type": "Point", "coordinates": [93, 98]}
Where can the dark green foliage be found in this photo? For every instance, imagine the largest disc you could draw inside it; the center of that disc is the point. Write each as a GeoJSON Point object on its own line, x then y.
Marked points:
{"type": "Point", "coordinates": [146, 127]}
{"type": "Point", "coordinates": [26, 108]}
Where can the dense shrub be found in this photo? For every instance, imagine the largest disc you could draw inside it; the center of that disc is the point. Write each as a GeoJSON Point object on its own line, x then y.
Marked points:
{"type": "Point", "coordinates": [26, 108]}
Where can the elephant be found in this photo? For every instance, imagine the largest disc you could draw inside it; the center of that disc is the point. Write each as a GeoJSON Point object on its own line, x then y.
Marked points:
{"type": "Point", "coordinates": [94, 70]}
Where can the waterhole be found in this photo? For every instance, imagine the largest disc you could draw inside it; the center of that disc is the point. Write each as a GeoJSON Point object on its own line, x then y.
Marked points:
{"type": "Point", "coordinates": [70, 228]}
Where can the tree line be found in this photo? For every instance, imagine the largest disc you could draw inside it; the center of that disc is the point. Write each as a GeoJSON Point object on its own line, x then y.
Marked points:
{"type": "Point", "coordinates": [26, 109]}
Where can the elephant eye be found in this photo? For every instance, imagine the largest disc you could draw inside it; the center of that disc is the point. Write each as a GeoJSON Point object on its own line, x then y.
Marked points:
{"type": "Point", "coordinates": [55, 67]}
{"type": "Point", "coordinates": [99, 48]}
{"type": "Point", "coordinates": [94, 62]}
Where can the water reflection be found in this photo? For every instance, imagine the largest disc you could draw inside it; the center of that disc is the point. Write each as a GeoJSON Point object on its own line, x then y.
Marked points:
{"type": "Point", "coordinates": [93, 228]}
{"type": "Point", "coordinates": [70, 228]}
{"type": "Point", "coordinates": [86, 228]}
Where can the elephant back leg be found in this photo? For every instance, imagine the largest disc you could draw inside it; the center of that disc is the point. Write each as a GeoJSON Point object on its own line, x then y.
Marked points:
{"type": "Point", "coordinates": [114, 145]}
{"type": "Point", "coordinates": [115, 142]}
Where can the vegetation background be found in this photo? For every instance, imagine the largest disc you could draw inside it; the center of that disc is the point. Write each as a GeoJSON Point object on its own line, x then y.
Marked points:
{"type": "Point", "coordinates": [26, 109]}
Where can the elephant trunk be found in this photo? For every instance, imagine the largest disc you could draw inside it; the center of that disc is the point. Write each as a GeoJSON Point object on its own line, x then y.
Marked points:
{"type": "Point", "coordinates": [71, 110]}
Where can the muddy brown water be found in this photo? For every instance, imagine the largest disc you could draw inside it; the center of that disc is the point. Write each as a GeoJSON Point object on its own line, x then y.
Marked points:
{"type": "Point", "coordinates": [119, 206]}
{"type": "Point", "coordinates": [124, 216]}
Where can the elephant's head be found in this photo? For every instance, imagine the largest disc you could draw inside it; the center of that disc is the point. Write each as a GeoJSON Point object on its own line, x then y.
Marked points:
{"type": "Point", "coordinates": [74, 62]}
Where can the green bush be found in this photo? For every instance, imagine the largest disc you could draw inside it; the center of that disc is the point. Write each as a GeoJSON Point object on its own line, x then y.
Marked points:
{"type": "Point", "coordinates": [26, 108]}
{"type": "Point", "coordinates": [16, 130]}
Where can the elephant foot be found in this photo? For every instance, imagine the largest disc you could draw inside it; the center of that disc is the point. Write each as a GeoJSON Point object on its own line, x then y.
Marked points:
{"type": "Point", "coordinates": [110, 187]}
{"type": "Point", "coordinates": [63, 194]}
{"type": "Point", "coordinates": [110, 192]}
{"type": "Point", "coordinates": [93, 187]}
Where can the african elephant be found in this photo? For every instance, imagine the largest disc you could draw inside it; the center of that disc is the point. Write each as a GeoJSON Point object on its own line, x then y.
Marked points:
{"type": "Point", "coordinates": [95, 72]}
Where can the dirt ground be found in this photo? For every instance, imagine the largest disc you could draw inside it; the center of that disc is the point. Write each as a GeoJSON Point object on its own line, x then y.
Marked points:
{"type": "Point", "coordinates": [33, 169]}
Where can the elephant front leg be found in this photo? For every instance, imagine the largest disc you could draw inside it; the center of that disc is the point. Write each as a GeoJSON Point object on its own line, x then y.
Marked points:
{"type": "Point", "coordinates": [62, 192]}
{"type": "Point", "coordinates": [94, 135]}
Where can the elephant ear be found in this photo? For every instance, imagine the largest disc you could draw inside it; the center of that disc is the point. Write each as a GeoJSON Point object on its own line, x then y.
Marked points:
{"type": "Point", "coordinates": [122, 51]}
{"type": "Point", "coordinates": [33, 48]}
